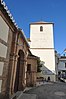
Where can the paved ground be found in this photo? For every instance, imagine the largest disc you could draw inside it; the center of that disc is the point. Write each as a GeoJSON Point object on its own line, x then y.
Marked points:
{"type": "Point", "coordinates": [49, 91]}
{"type": "Point", "coordinates": [3, 97]}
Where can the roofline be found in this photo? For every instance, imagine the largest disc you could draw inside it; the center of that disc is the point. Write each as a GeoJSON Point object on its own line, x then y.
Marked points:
{"type": "Point", "coordinates": [32, 57]}
{"type": "Point", "coordinates": [41, 23]}
{"type": "Point", "coordinates": [9, 15]}
{"type": "Point", "coordinates": [30, 54]}
{"type": "Point", "coordinates": [63, 57]}
{"type": "Point", "coordinates": [22, 32]}
{"type": "Point", "coordinates": [5, 8]}
{"type": "Point", "coordinates": [28, 39]}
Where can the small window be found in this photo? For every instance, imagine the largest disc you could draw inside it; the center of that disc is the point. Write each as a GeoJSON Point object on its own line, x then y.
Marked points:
{"type": "Point", "coordinates": [41, 28]}
{"type": "Point", "coordinates": [29, 67]}
{"type": "Point", "coordinates": [65, 65]}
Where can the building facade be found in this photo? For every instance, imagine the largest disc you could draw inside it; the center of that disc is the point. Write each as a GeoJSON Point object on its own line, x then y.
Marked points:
{"type": "Point", "coordinates": [62, 67]}
{"type": "Point", "coordinates": [42, 45]}
{"type": "Point", "coordinates": [13, 54]}
{"type": "Point", "coordinates": [15, 60]}
{"type": "Point", "coordinates": [31, 70]}
{"type": "Point", "coordinates": [60, 61]}
{"type": "Point", "coordinates": [6, 31]}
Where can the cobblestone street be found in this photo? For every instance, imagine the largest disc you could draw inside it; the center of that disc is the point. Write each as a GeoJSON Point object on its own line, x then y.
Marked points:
{"type": "Point", "coordinates": [49, 91]}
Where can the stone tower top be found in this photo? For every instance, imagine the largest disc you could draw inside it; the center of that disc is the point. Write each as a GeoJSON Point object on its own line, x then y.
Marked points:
{"type": "Point", "coordinates": [41, 35]}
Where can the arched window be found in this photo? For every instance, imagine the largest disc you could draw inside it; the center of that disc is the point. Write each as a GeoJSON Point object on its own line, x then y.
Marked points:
{"type": "Point", "coordinates": [41, 28]}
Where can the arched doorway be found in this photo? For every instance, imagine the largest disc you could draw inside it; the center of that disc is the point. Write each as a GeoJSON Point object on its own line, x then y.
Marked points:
{"type": "Point", "coordinates": [19, 72]}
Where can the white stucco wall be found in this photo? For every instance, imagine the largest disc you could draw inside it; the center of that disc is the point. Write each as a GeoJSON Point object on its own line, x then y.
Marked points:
{"type": "Point", "coordinates": [0, 84]}
{"type": "Point", "coordinates": [3, 50]}
{"type": "Point", "coordinates": [42, 45]}
{"type": "Point", "coordinates": [52, 77]}
{"type": "Point", "coordinates": [41, 39]}
{"type": "Point", "coordinates": [3, 30]}
{"type": "Point", "coordinates": [1, 68]}
{"type": "Point", "coordinates": [46, 55]}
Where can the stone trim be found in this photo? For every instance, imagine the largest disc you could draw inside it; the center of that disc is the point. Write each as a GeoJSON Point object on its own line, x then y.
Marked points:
{"type": "Point", "coordinates": [3, 42]}
{"type": "Point", "coordinates": [2, 77]}
{"type": "Point", "coordinates": [6, 19]}
{"type": "Point", "coordinates": [2, 59]}
{"type": "Point", "coordinates": [4, 15]}
{"type": "Point", "coordinates": [32, 57]}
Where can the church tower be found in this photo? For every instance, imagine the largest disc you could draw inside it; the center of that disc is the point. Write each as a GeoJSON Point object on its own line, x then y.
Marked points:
{"type": "Point", "coordinates": [42, 45]}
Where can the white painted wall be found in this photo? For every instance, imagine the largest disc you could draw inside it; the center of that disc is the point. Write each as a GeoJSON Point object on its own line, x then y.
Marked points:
{"type": "Point", "coordinates": [3, 50]}
{"type": "Point", "coordinates": [1, 68]}
{"type": "Point", "coordinates": [4, 29]}
{"type": "Point", "coordinates": [42, 39]}
{"type": "Point", "coordinates": [42, 45]}
{"type": "Point", "coordinates": [46, 56]}
{"type": "Point", "coordinates": [0, 84]}
{"type": "Point", "coordinates": [52, 77]}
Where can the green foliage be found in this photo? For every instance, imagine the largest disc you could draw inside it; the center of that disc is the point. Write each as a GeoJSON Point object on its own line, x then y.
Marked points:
{"type": "Point", "coordinates": [39, 65]}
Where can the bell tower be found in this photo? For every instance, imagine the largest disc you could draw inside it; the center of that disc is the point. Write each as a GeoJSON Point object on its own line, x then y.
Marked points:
{"type": "Point", "coordinates": [42, 45]}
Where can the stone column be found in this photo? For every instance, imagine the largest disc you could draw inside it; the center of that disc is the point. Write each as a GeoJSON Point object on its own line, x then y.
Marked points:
{"type": "Point", "coordinates": [13, 62]}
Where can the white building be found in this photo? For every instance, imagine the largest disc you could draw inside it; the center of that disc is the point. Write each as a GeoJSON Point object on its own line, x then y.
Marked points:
{"type": "Point", "coordinates": [60, 62]}
{"type": "Point", "coordinates": [62, 67]}
{"type": "Point", "coordinates": [42, 45]}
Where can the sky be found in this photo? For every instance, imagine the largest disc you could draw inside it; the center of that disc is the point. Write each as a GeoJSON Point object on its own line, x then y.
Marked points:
{"type": "Point", "coordinates": [27, 11]}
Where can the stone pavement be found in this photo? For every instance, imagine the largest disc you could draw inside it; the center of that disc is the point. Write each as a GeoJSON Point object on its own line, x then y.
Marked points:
{"type": "Point", "coordinates": [27, 96]}
{"type": "Point", "coordinates": [21, 95]}
{"type": "Point", "coordinates": [46, 90]}
{"type": "Point", "coordinates": [49, 91]}
{"type": "Point", "coordinates": [3, 97]}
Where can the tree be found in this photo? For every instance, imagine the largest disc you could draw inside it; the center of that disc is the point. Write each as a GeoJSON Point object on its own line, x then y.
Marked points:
{"type": "Point", "coordinates": [39, 65]}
